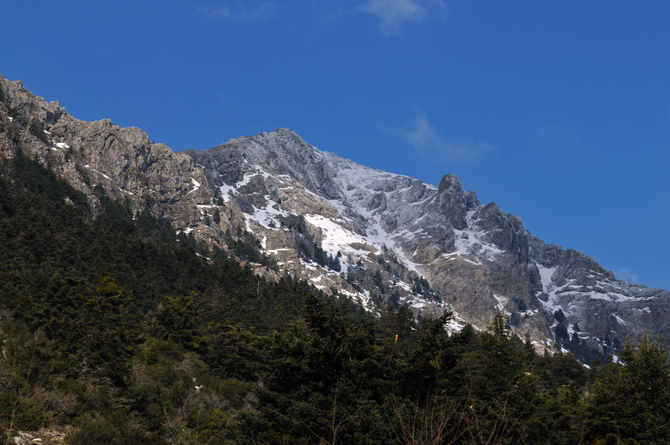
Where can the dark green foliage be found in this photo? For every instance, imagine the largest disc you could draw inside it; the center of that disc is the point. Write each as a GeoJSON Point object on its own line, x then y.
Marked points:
{"type": "Point", "coordinates": [522, 305]}
{"type": "Point", "coordinates": [37, 129]}
{"type": "Point", "coordinates": [575, 339]}
{"type": "Point", "coordinates": [126, 331]}
{"type": "Point", "coordinates": [394, 299]}
{"type": "Point", "coordinates": [422, 287]}
{"type": "Point", "coordinates": [19, 115]}
{"type": "Point", "coordinates": [562, 336]}
{"type": "Point", "coordinates": [514, 319]}
{"type": "Point", "coordinates": [152, 228]}
{"type": "Point", "coordinates": [398, 322]}
{"type": "Point", "coordinates": [379, 281]}
{"type": "Point", "coordinates": [307, 248]}
{"type": "Point", "coordinates": [330, 368]}
{"type": "Point", "coordinates": [561, 370]}
{"type": "Point", "coordinates": [420, 370]}
{"type": "Point", "coordinates": [176, 321]}
{"type": "Point", "coordinates": [29, 174]}
{"type": "Point", "coordinates": [562, 326]}
{"type": "Point", "coordinates": [248, 248]}
{"type": "Point", "coordinates": [559, 316]}
{"type": "Point", "coordinates": [218, 199]}
{"type": "Point", "coordinates": [94, 432]}
{"type": "Point", "coordinates": [324, 259]}
{"type": "Point", "coordinates": [87, 297]}
{"type": "Point", "coordinates": [631, 403]}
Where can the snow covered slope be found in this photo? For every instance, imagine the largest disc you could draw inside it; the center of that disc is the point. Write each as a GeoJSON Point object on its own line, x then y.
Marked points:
{"type": "Point", "coordinates": [433, 248]}
{"type": "Point", "coordinates": [375, 237]}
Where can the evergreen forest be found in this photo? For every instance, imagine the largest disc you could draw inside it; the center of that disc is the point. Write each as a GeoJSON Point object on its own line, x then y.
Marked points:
{"type": "Point", "coordinates": [131, 334]}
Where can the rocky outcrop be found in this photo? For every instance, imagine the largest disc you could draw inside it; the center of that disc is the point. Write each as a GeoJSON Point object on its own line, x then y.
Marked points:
{"type": "Point", "coordinates": [376, 237]}
{"type": "Point", "coordinates": [122, 160]}
{"type": "Point", "coordinates": [44, 436]}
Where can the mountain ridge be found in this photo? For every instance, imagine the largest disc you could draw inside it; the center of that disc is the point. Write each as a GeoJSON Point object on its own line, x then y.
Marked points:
{"type": "Point", "coordinates": [396, 239]}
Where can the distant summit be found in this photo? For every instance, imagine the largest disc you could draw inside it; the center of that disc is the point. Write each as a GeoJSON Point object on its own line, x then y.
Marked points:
{"type": "Point", "coordinates": [374, 237]}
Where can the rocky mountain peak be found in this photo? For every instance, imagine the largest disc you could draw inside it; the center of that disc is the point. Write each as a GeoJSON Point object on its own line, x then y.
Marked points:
{"type": "Point", "coordinates": [375, 237]}
{"type": "Point", "coordinates": [453, 202]}
{"type": "Point", "coordinates": [450, 183]}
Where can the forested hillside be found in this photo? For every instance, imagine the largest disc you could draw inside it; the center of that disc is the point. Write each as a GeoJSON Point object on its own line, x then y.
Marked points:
{"type": "Point", "coordinates": [132, 334]}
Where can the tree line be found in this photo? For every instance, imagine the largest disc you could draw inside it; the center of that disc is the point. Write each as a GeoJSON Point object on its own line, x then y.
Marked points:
{"type": "Point", "coordinates": [116, 325]}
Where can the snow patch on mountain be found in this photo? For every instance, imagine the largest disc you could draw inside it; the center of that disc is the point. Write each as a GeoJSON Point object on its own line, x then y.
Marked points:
{"type": "Point", "coordinates": [393, 231]}
{"type": "Point", "coordinates": [196, 185]}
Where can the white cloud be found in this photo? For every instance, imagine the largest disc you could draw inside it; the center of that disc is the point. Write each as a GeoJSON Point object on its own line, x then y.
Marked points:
{"type": "Point", "coordinates": [557, 138]}
{"type": "Point", "coordinates": [425, 139]}
{"type": "Point", "coordinates": [625, 274]}
{"type": "Point", "coordinates": [394, 13]}
{"type": "Point", "coordinates": [261, 12]}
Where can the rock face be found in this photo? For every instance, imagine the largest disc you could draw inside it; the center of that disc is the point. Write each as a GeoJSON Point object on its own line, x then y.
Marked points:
{"type": "Point", "coordinates": [372, 236]}
{"type": "Point", "coordinates": [44, 435]}
{"type": "Point", "coordinates": [122, 160]}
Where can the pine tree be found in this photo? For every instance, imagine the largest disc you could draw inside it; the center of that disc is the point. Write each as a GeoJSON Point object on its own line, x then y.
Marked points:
{"type": "Point", "coordinates": [631, 402]}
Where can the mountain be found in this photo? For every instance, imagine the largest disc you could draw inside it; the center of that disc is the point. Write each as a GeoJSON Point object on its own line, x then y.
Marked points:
{"type": "Point", "coordinates": [374, 237]}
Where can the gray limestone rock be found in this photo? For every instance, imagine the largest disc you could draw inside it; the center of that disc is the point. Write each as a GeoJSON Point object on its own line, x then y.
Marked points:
{"type": "Point", "coordinates": [396, 238]}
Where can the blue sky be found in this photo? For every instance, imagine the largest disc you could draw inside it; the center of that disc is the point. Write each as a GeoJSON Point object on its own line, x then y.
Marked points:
{"type": "Point", "coordinates": [557, 111]}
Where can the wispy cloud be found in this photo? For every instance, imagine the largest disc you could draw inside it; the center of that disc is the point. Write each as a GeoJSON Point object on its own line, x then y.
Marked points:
{"type": "Point", "coordinates": [625, 274]}
{"type": "Point", "coordinates": [395, 13]}
{"type": "Point", "coordinates": [260, 12]}
{"type": "Point", "coordinates": [557, 138]}
{"type": "Point", "coordinates": [425, 139]}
